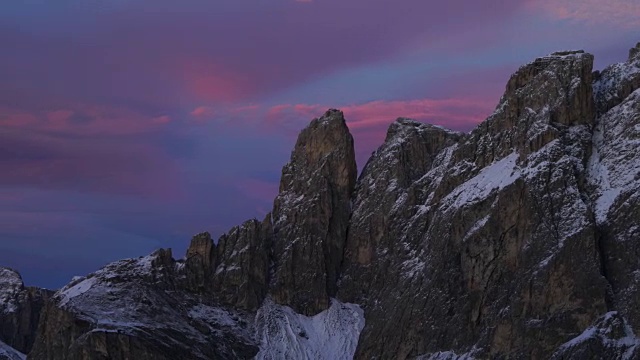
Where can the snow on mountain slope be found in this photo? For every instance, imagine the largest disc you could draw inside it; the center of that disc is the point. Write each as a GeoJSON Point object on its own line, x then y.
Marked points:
{"type": "Point", "coordinates": [611, 333]}
{"type": "Point", "coordinates": [447, 355]}
{"type": "Point", "coordinates": [140, 301]}
{"type": "Point", "coordinates": [614, 167]}
{"type": "Point", "coordinates": [330, 335]}
{"type": "Point", "coordinates": [494, 177]}
{"type": "Point", "coordinates": [516, 240]}
{"type": "Point", "coordinates": [9, 353]}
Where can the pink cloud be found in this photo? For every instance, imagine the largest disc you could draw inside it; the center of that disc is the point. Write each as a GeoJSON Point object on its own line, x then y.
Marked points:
{"type": "Point", "coordinates": [87, 164]}
{"type": "Point", "coordinates": [164, 119]}
{"type": "Point", "coordinates": [83, 120]}
{"type": "Point", "coordinates": [460, 114]}
{"type": "Point", "coordinates": [617, 13]}
{"type": "Point", "coordinates": [369, 121]}
{"type": "Point", "coordinates": [74, 149]}
{"type": "Point", "coordinates": [209, 82]}
{"type": "Point", "coordinates": [59, 116]}
{"type": "Point", "coordinates": [202, 112]}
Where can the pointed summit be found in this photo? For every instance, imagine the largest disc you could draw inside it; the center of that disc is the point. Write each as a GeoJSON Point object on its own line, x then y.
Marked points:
{"type": "Point", "coordinates": [634, 52]}
{"type": "Point", "coordinates": [311, 214]}
{"type": "Point", "coordinates": [617, 81]}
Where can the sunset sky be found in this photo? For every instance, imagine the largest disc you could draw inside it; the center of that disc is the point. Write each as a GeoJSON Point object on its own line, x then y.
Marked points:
{"type": "Point", "coordinates": [129, 125]}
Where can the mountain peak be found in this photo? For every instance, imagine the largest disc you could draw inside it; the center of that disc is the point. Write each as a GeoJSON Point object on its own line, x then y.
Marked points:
{"type": "Point", "coordinates": [634, 52]}
{"type": "Point", "coordinates": [515, 240]}
{"type": "Point", "coordinates": [568, 53]}
{"type": "Point", "coordinates": [311, 215]}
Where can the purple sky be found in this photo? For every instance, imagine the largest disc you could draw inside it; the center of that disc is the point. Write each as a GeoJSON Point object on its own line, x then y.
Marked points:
{"type": "Point", "coordinates": [130, 125]}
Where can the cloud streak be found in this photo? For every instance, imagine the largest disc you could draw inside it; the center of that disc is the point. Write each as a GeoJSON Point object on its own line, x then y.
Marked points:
{"type": "Point", "coordinates": [89, 148]}
{"type": "Point", "coordinates": [623, 14]}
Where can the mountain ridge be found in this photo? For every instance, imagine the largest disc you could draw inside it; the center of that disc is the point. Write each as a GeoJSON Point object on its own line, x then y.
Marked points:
{"type": "Point", "coordinates": [515, 240]}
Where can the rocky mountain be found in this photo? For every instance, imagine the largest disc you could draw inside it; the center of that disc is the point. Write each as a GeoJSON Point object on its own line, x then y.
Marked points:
{"type": "Point", "coordinates": [20, 311]}
{"type": "Point", "coordinates": [518, 240]}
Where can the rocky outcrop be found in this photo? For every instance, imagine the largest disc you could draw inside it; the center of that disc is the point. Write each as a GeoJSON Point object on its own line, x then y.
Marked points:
{"type": "Point", "coordinates": [480, 250]}
{"type": "Point", "coordinates": [516, 240]}
{"type": "Point", "coordinates": [410, 150]}
{"type": "Point", "coordinates": [138, 309]}
{"type": "Point", "coordinates": [311, 215]}
{"type": "Point", "coordinates": [614, 174]}
{"type": "Point", "coordinates": [158, 308]}
{"type": "Point", "coordinates": [610, 337]}
{"type": "Point", "coordinates": [20, 310]}
{"type": "Point", "coordinates": [541, 99]}
{"type": "Point", "coordinates": [241, 278]}
{"type": "Point", "coordinates": [200, 262]}
{"type": "Point", "coordinates": [616, 82]}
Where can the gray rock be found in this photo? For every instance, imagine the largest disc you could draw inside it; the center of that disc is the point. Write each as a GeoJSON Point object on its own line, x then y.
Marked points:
{"type": "Point", "coordinates": [616, 82]}
{"type": "Point", "coordinates": [200, 262]}
{"type": "Point", "coordinates": [138, 309]}
{"type": "Point", "coordinates": [20, 310]}
{"type": "Point", "coordinates": [311, 215]}
{"type": "Point", "coordinates": [491, 245]}
{"type": "Point", "coordinates": [609, 338]}
{"type": "Point", "coordinates": [517, 240]}
{"type": "Point", "coordinates": [241, 278]}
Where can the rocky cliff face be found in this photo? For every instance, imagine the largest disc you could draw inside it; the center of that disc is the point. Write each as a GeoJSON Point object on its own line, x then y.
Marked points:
{"type": "Point", "coordinates": [20, 310]}
{"type": "Point", "coordinates": [479, 252]}
{"type": "Point", "coordinates": [503, 247]}
{"type": "Point", "coordinates": [516, 240]}
{"type": "Point", "coordinates": [311, 215]}
{"type": "Point", "coordinates": [141, 309]}
{"type": "Point", "coordinates": [199, 307]}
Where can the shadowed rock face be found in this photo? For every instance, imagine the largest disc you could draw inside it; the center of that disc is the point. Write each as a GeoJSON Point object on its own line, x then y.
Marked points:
{"type": "Point", "coordinates": [488, 246]}
{"type": "Point", "coordinates": [311, 215]}
{"type": "Point", "coordinates": [241, 278]}
{"type": "Point", "coordinates": [20, 310]}
{"type": "Point", "coordinates": [517, 240]}
{"type": "Point", "coordinates": [200, 262]}
{"type": "Point", "coordinates": [616, 82]}
{"type": "Point", "coordinates": [614, 174]}
{"type": "Point", "coordinates": [143, 309]}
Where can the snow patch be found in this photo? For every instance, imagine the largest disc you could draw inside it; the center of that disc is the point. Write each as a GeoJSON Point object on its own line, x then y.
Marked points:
{"type": "Point", "coordinates": [413, 266]}
{"type": "Point", "coordinates": [70, 292]}
{"type": "Point", "coordinates": [447, 355]}
{"type": "Point", "coordinates": [496, 176]}
{"type": "Point", "coordinates": [615, 158]}
{"type": "Point", "coordinates": [331, 335]}
{"type": "Point", "coordinates": [9, 353]}
{"type": "Point", "coordinates": [477, 226]}
{"type": "Point", "coordinates": [628, 343]}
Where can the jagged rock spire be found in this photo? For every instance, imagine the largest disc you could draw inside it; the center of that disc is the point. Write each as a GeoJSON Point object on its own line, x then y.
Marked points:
{"type": "Point", "coordinates": [311, 215]}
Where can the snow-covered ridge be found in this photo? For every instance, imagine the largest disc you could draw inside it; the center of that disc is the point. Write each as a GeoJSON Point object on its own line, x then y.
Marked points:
{"type": "Point", "coordinates": [80, 285]}
{"type": "Point", "coordinates": [330, 335]}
